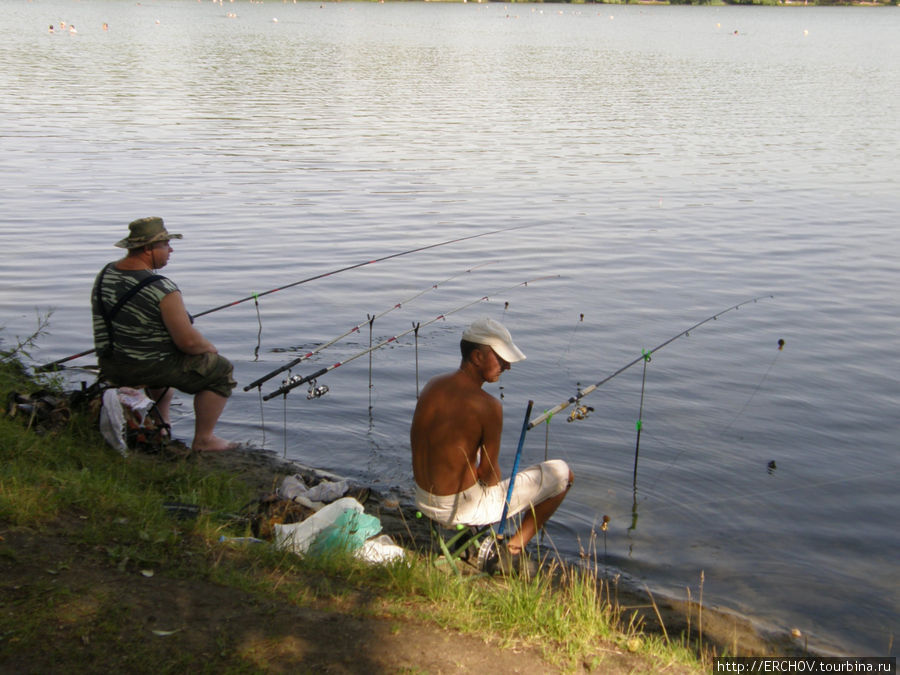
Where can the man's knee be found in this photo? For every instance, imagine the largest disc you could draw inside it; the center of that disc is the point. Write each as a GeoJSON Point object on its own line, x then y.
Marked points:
{"type": "Point", "coordinates": [208, 372]}
{"type": "Point", "coordinates": [561, 473]}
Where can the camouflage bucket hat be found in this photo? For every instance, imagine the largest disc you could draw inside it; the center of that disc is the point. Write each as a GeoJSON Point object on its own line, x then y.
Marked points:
{"type": "Point", "coordinates": [145, 231]}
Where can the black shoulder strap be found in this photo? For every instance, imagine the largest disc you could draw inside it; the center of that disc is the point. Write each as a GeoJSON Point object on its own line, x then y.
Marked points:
{"type": "Point", "coordinates": [109, 315]}
{"type": "Point", "coordinates": [134, 290]}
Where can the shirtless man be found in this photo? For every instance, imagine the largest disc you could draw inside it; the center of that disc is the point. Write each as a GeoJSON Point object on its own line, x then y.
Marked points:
{"type": "Point", "coordinates": [455, 440]}
{"type": "Point", "coordinates": [149, 339]}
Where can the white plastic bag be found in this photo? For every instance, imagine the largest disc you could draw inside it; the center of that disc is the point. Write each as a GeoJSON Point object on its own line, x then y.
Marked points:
{"type": "Point", "coordinates": [293, 487]}
{"type": "Point", "coordinates": [112, 421]}
{"type": "Point", "coordinates": [113, 414]}
{"type": "Point", "coordinates": [380, 550]}
{"type": "Point", "coordinates": [298, 537]}
{"type": "Point", "coordinates": [137, 400]}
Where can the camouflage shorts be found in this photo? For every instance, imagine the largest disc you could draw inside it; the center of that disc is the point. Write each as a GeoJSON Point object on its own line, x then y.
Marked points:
{"type": "Point", "coordinates": [190, 373]}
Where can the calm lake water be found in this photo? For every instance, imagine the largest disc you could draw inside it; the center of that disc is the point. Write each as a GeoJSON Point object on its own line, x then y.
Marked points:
{"type": "Point", "coordinates": [667, 162]}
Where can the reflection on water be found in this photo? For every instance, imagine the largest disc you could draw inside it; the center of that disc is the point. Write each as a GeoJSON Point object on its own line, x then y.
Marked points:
{"type": "Point", "coordinates": [666, 169]}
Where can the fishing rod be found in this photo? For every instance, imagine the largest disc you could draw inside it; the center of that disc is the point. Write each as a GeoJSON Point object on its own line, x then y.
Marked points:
{"type": "Point", "coordinates": [297, 380]}
{"type": "Point", "coordinates": [255, 296]}
{"type": "Point", "coordinates": [644, 357]}
{"type": "Point", "coordinates": [515, 469]}
{"type": "Point", "coordinates": [356, 328]}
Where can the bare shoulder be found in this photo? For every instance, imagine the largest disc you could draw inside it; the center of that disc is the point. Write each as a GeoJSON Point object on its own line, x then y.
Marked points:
{"type": "Point", "coordinates": [489, 407]}
{"type": "Point", "coordinates": [172, 300]}
{"type": "Point", "coordinates": [439, 382]}
{"type": "Point", "coordinates": [443, 386]}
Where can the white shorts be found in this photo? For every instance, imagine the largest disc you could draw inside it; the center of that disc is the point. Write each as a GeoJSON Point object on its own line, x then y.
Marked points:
{"type": "Point", "coordinates": [480, 505]}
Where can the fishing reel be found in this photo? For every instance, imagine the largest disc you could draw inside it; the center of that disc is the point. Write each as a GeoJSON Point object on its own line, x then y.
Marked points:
{"type": "Point", "coordinates": [291, 382]}
{"type": "Point", "coordinates": [579, 413]}
{"type": "Point", "coordinates": [316, 391]}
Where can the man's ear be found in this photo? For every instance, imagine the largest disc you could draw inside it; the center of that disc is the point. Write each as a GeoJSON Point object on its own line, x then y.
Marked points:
{"type": "Point", "coordinates": [477, 356]}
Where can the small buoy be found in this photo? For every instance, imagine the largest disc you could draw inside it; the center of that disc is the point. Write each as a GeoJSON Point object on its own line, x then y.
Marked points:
{"type": "Point", "coordinates": [274, 20]}
{"type": "Point", "coordinates": [780, 344]}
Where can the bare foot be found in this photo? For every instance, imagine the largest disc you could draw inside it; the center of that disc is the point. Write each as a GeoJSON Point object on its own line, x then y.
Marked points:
{"type": "Point", "coordinates": [213, 444]}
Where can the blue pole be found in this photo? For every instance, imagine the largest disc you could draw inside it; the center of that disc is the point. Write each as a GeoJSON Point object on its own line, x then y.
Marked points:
{"type": "Point", "coordinates": [515, 469]}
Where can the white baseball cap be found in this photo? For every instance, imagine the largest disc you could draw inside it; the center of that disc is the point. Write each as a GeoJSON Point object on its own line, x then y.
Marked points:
{"type": "Point", "coordinates": [486, 331]}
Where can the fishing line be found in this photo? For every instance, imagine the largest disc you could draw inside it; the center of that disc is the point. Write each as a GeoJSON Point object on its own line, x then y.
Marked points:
{"type": "Point", "coordinates": [262, 419]}
{"type": "Point", "coordinates": [346, 268]}
{"type": "Point", "coordinates": [297, 380]}
{"type": "Point", "coordinates": [259, 332]}
{"type": "Point", "coordinates": [767, 493]}
{"type": "Point", "coordinates": [416, 327]}
{"type": "Point", "coordinates": [547, 438]}
{"type": "Point", "coordinates": [640, 422]}
{"type": "Point", "coordinates": [357, 327]}
{"type": "Point", "coordinates": [665, 468]}
{"type": "Point", "coordinates": [571, 339]}
{"type": "Point", "coordinates": [582, 393]}
{"type": "Point", "coordinates": [755, 391]}
{"type": "Point", "coordinates": [283, 423]}
{"type": "Point", "coordinates": [546, 457]}
{"type": "Point", "coordinates": [582, 411]}
{"type": "Point", "coordinates": [371, 321]}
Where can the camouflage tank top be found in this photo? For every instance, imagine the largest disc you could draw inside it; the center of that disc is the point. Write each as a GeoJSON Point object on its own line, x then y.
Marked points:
{"type": "Point", "coordinates": [138, 329]}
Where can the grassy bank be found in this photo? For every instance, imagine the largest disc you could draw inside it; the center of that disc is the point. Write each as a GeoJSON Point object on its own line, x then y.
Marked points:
{"type": "Point", "coordinates": [97, 573]}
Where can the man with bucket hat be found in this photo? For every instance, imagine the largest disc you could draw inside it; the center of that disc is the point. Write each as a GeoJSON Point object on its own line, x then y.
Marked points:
{"type": "Point", "coordinates": [144, 335]}
{"type": "Point", "coordinates": [455, 440]}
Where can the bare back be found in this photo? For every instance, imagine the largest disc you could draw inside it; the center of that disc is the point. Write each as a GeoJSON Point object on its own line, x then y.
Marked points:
{"type": "Point", "coordinates": [454, 419]}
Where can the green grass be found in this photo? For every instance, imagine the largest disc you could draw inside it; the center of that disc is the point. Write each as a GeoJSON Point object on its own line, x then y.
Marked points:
{"type": "Point", "coordinates": [113, 506]}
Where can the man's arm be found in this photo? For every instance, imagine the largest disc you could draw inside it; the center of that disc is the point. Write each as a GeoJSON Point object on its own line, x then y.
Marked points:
{"type": "Point", "coordinates": [187, 338]}
{"type": "Point", "coordinates": [492, 430]}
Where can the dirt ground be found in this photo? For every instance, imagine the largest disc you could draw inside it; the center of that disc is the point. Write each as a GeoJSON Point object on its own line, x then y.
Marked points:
{"type": "Point", "coordinates": [724, 631]}
{"type": "Point", "coordinates": [118, 617]}
{"type": "Point", "coordinates": [191, 625]}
